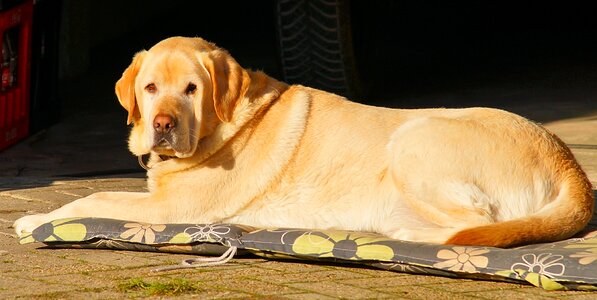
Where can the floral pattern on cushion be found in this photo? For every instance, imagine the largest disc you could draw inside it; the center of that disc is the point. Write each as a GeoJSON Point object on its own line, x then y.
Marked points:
{"type": "Point", "coordinates": [563, 265]}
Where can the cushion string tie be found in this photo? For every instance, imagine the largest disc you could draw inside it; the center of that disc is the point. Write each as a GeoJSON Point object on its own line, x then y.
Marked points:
{"type": "Point", "coordinates": [201, 261]}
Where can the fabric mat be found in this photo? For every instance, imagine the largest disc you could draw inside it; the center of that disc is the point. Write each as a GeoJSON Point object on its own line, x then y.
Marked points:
{"type": "Point", "coordinates": [566, 265]}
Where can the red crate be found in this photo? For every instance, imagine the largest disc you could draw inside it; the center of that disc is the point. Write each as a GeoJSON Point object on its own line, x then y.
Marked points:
{"type": "Point", "coordinates": [14, 85]}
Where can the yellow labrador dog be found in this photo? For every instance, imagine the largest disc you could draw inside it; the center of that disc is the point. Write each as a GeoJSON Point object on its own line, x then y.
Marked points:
{"type": "Point", "coordinates": [234, 145]}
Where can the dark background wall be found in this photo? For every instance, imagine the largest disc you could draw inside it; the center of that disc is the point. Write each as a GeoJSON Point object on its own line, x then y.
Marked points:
{"type": "Point", "coordinates": [404, 49]}
{"type": "Point", "coordinates": [458, 44]}
{"type": "Point", "coordinates": [99, 38]}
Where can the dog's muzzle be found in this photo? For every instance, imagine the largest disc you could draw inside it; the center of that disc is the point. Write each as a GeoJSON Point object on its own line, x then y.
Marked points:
{"type": "Point", "coordinates": [163, 126]}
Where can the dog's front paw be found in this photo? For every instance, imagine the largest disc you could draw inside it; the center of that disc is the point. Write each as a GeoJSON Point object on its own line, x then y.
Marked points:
{"type": "Point", "coordinates": [26, 224]}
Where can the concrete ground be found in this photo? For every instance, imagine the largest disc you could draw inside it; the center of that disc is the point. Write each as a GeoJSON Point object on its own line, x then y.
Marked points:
{"type": "Point", "coordinates": [86, 153]}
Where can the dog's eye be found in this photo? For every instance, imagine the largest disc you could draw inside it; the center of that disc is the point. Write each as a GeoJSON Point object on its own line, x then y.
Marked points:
{"type": "Point", "coordinates": [150, 88]}
{"type": "Point", "coordinates": [191, 88]}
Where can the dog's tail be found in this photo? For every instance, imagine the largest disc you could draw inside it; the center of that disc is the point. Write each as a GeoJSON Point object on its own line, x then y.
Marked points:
{"type": "Point", "coordinates": [569, 213]}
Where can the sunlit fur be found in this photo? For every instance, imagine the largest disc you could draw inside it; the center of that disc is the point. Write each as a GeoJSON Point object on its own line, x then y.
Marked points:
{"type": "Point", "coordinates": [252, 150]}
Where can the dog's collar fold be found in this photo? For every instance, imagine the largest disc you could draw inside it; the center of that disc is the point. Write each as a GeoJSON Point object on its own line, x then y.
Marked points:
{"type": "Point", "coordinates": [142, 163]}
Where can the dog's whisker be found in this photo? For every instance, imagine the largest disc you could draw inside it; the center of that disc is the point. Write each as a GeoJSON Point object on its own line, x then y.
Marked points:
{"type": "Point", "coordinates": [193, 135]}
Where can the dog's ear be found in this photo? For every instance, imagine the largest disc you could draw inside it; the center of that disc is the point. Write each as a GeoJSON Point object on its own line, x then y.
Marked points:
{"type": "Point", "coordinates": [229, 82]}
{"type": "Point", "coordinates": [125, 87]}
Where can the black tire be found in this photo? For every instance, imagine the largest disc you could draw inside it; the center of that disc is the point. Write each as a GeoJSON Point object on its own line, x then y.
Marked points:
{"type": "Point", "coordinates": [315, 45]}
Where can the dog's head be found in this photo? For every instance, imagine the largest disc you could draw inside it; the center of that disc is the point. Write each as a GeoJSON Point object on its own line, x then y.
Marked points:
{"type": "Point", "coordinates": [178, 92]}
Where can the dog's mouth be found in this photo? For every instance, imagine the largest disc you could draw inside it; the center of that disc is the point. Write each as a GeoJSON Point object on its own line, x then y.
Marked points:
{"type": "Point", "coordinates": [163, 144]}
{"type": "Point", "coordinates": [170, 146]}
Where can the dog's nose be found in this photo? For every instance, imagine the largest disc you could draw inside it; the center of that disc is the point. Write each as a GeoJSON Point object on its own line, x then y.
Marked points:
{"type": "Point", "coordinates": [163, 123]}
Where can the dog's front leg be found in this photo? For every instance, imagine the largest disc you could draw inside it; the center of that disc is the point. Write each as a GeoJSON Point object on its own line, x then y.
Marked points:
{"type": "Point", "coordinates": [138, 207]}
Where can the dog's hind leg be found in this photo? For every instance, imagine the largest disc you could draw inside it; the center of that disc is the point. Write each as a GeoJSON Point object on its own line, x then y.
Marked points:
{"type": "Point", "coordinates": [437, 180]}
{"type": "Point", "coordinates": [450, 208]}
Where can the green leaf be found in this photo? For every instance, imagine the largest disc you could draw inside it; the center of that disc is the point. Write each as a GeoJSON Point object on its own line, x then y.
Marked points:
{"type": "Point", "coordinates": [375, 252]}
{"type": "Point", "coordinates": [181, 238]}
{"type": "Point", "coordinates": [539, 280]}
{"type": "Point", "coordinates": [26, 239]}
{"type": "Point", "coordinates": [70, 232]}
{"type": "Point", "coordinates": [312, 244]}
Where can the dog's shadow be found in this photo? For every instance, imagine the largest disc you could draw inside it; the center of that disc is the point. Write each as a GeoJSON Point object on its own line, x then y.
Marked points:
{"type": "Point", "coordinates": [222, 159]}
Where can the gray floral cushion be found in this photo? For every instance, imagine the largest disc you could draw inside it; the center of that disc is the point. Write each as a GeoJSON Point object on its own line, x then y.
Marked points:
{"type": "Point", "coordinates": [569, 264]}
